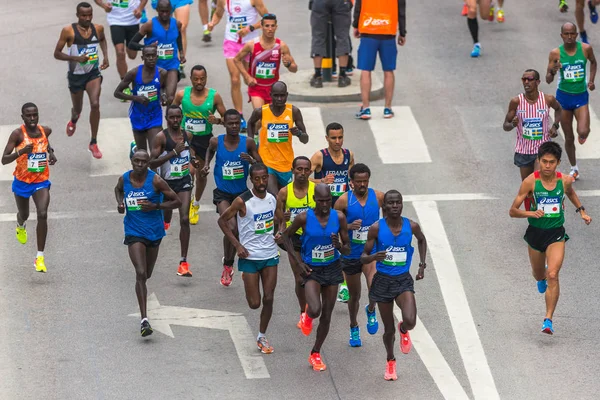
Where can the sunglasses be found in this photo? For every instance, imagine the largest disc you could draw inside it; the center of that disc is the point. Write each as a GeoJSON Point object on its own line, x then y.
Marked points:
{"type": "Point", "coordinates": [528, 79]}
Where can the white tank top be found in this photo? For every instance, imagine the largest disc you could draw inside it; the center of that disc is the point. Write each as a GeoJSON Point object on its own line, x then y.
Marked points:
{"type": "Point", "coordinates": [534, 125]}
{"type": "Point", "coordinates": [122, 13]}
{"type": "Point", "coordinates": [240, 13]}
{"type": "Point", "coordinates": [256, 228]}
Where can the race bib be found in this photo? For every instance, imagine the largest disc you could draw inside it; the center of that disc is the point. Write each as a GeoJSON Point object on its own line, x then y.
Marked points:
{"type": "Point", "coordinates": [237, 24]}
{"type": "Point", "coordinates": [165, 51]}
{"type": "Point", "coordinates": [263, 223]}
{"type": "Point", "coordinates": [323, 254]}
{"type": "Point", "coordinates": [337, 189]}
{"type": "Point", "coordinates": [233, 172]}
{"type": "Point", "coordinates": [37, 162]}
{"type": "Point", "coordinates": [180, 166]}
{"type": "Point", "coordinates": [195, 125]}
{"type": "Point", "coordinates": [278, 133]}
{"type": "Point", "coordinates": [551, 206]}
{"type": "Point", "coordinates": [92, 52]}
{"type": "Point", "coordinates": [296, 211]}
{"type": "Point", "coordinates": [395, 258]}
{"type": "Point", "coordinates": [359, 236]}
{"type": "Point", "coordinates": [533, 129]}
{"type": "Point", "coordinates": [132, 201]}
{"type": "Point", "coordinates": [266, 70]}
{"type": "Point", "coordinates": [149, 92]}
{"type": "Point", "coordinates": [120, 3]}
{"type": "Point", "coordinates": [574, 73]}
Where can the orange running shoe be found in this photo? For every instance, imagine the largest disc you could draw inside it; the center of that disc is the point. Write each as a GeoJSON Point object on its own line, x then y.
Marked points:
{"type": "Point", "coordinates": [184, 269]}
{"type": "Point", "coordinates": [263, 345]}
{"type": "Point", "coordinates": [306, 323]}
{"type": "Point", "coordinates": [390, 371]}
{"type": "Point", "coordinates": [316, 363]}
{"type": "Point", "coordinates": [465, 9]}
{"type": "Point", "coordinates": [96, 153]}
{"type": "Point", "coordinates": [299, 324]}
{"type": "Point", "coordinates": [405, 342]}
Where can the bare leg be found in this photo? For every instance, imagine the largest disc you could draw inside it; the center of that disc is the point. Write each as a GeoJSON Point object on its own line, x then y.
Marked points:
{"type": "Point", "coordinates": [200, 180]}
{"type": "Point", "coordinates": [121, 59]}
{"type": "Point", "coordinates": [582, 115]}
{"type": "Point", "coordinates": [93, 89]}
{"type": "Point", "coordinates": [182, 14]}
{"type": "Point", "coordinates": [268, 277]}
{"type": "Point", "coordinates": [184, 222]}
{"type": "Point", "coordinates": [555, 255]}
{"type": "Point", "coordinates": [41, 198]}
{"type": "Point", "coordinates": [386, 312]}
{"type": "Point", "coordinates": [567, 126]}
{"type": "Point", "coordinates": [365, 88]}
{"type": "Point", "coordinates": [236, 85]}
{"type": "Point", "coordinates": [389, 81]}
{"type": "Point", "coordinates": [172, 79]}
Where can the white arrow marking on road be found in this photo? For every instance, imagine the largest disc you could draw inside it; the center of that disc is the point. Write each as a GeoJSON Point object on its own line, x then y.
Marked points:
{"type": "Point", "coordinates": [114, 137]}
{"type": "Point", "coordinates": [459, 312]}
{"type": "Point", "coordinates": [162, 317]}
{"type": "Point", "coordinates": [315, 128]}
{"type": "Point", "coordinates": [591, 148]}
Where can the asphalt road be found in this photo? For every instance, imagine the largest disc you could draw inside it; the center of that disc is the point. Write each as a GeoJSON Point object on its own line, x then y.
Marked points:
{"type": "Point", "coordinates": [68, 334]}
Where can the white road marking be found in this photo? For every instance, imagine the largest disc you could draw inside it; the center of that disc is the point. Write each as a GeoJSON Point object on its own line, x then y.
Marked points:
{"type": "Point", "coordinates": [114, 138]}
{"type": "Point", "coordinates": [313, 120]}
{"type": "Point", "coordinates": [448, 197]}
{"type": "Point", "coordinates": [453, 292]}
{"type": "Point", "coordinates": [434, 361]}
{"type": "Point", "coordinates": [161, 317]}
{"type": "Point", "coordinates": [399, 140]}
{"type": "Point", "coordinates": [591, 148]}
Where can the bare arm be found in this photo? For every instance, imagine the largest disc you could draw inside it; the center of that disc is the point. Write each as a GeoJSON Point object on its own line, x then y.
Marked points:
{"type": "Point", "coordinates": [345, 248]}
{"type": "Point", "coordinates": [210, 153]}
{"type": "Point", "coordinates": [422, 246]}
{"type": "Point", "coordinates": [593, 67]}
{"type": "Point", "coordinates": [253, 150]}
{"type": "Point", "coordinates": [9, 154]}
{"type": "Point", "coordinates": [259, 5]}
{"type": "Point", "coordinates": [298, 223]}
{"type": "Point", "coordinates": [299, 121]}
{"type": "Point", "coordinates": [103, 46]}
{"type": "Point", "coordinates": [145, 30]}
{"type": "Point", "coordinates": [366, 257]}
{"type": "Point", "coordinates": [240, 56]}
{"type": "Point", "coordinates": [254, 118]}
{"type": "Point", "coordinates": [280, 209]}
{"type": "Point", "coordinates": [511, 120]}
{"type": "Point", "coordinates": [180, 48]}
{"type": "Point", "coordinates": [66, 35]}
{"type": "Point", "coordinates": [351, 161]}
{"type": "Point", "coordinates": [287, 58]}
{"type": "Point", "coordinates": [316, 162]}
{"type": "Point", "coordinates": [238, 205]}
{"type": "Point", "coordinates": [124, 84]}
{"type": "Point", "coordinates": [220, 106]}
{"type": "Point", "coordinates": [553, 65]}
{"type": "Point", "coordinates": [552, 102]}
{"type": "Point", "coordinates": [342, 204]}
{"type": "Point", "coordinates": [570, 192]}
{"type": "Point", "coordinates": [216, 18]}
{"type": "Point", "coordinates": [526, 188]}
{"type": "Point", "coordinates": [173, 201]}
{"type": "Point", "coordinates": [158, 146]}
{"type": "Point", "coordinates": [178, 98]}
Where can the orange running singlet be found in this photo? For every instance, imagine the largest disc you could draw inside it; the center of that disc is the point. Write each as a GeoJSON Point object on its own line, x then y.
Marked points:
{"type": "Point", "coordinates": [275, 140]}
{"type": "Point", "coordinates": [33, 167]}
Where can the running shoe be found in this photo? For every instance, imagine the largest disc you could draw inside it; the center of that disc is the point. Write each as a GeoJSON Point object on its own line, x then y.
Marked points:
{"type": "Point", "coordinates": [40, 265]}
{"type": "Point", "coordinates": [547, 327]}
{"type": "Point", "coordinates": [306, 324]}
{"type": "Point", "coordinates": [500, 16]}
{"type": "Point", "coordinates": [465, 9]}
{"type": "Point", "coordinates": [243, 126]}
{"type": "Point", "coordinates": [372, 324]}
{"type": "Point", "coordinates": [574, 174]}
{"type": "Point", "coordinates": [584, 39]}
{"type": "Point", "coordinates": [593, 12]}
{"type": "Point", "coordinates": [299, 324]}
{"type": "Point", "coordinates": [563, 6]}
{"type": "Point", "coordinates": [184, 269]}
{"type": "Point", "coordinates": [343, 294]}
{"type": "Point", "coordinates": [71, 127]}
{"type": "Point", "coordinates": [388, 113]}
{"type": "Point", "coordinates": [355, 336]}
{"type": "Point", "coordinates": [194, 213]}
{"type": "Point", "coordinates": [316, 363]}
{"type": "Point", "coordinates": [21, 234]}
{"type": "Point", "coordinates": [581, 140]}
{"type": "Point", "coordinates": [146, 329]}
{"type": "Point", "coordinates": [405, 342]}
{"type": "Point", "coordinates": [316, 82]}
{"type": "Point", "coordinates": [492, 11]}
{"type": "Point", "coordinates": [476, 52]}
{"type": "Point", "coordinates": [144, 18]}
{"type": "Point", "coordinates": [182, 74]}
{"type": "Point", "coordinates": [167, 225]}
{"type": "Point", "coordinates": [126, 91]}
{"type": "Point", "coordinates": [93, 148]}
{"type": "Point", "coordinates": [263, 345]}
{"type": "Point", "coordinates": [390, 371]}
{"type": "Point", "coordinates": [364, 113]}
{"type": "Point", "coordinates": [206, 37]}
{"type": "Point", "coordinates": [226, 276]}
{"type": "Point", "coordinates": [132, 149]}
{"type": "Point", "coordinates": [542, 286]}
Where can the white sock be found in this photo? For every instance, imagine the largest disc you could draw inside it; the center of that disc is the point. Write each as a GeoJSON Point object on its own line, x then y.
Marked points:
{"type": "Point", "coordinates": [144, 319]}
{"type": "Point", "coordinates": [574, 167]}
{"type": "Point", "coordinates": [40, 254]}
{"type": "Point", "coordinates": [205, 27]}
{"type": "Point", "coordinates": [260, 334]}
{"type": "Point", "coordinates": [21, 226]}
{"type": "Point", "coordinates": [196, 203]}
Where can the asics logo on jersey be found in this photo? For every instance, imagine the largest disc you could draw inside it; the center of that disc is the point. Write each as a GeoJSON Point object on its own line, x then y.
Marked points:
{"type": "Point", "coordinates": [375, 22]}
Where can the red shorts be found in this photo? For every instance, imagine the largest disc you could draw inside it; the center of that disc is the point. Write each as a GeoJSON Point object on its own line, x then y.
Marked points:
{"type": "Point", "coordinates": [264, 92]}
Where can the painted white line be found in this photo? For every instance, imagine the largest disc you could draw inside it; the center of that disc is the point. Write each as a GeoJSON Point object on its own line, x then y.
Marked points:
{"type": "Point", "coordinates": [434, 361]}
{"type": "Point", "coordinates": [114, 137]}
{"type": "Point", "coordinates": [399, 140]}
{"type": "Point", "coordinates": [313, 120]}
{"type": "Point", "coordinates": [588, 193]}
{"type": "Point", "coordinates": [6, 171]}
{"type": "Point", "coordinates": [591, 148]}
{"type": "Point", "coordinates": [453, 292]}
{"type": "Point", "coordinates": [448, 197]}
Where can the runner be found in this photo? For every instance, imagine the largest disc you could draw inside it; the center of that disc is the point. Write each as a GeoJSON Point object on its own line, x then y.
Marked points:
{"type": "Point", "coordinates": [234, 156]}
{"type": "Point", "coordinates": [171, 152]}
{"type": "Point", "coordinates": [199, 104]}
{"type": "Point", "coordinates": [593, 13]}
{"type": "Point", "coordinates": [361, 207]}
{"type": "Point", "coordinates": [545, 234]}
{"type": "Point", "coordinates": [166, 32]}
{"type": "Point", "coordinates": [28, 145]}
{"type": "Point", "coordinates": [123, 17]}
{"type": "Point", "coordinates": [580, 16]}
{"type": "Point", "coordinates": [389, 244]}
{"type": "Point", "coordinates": [571, 60]}
{"type": "Point", "coordinates": [266, 54]}
{"type": "Point", "coordinates": [485, 10]}
{"type": "Point", "coordinates": [243, 22]}
{"type": "Point", "coordinates": [181, 12]}
{"type": "Point", "coordinates": [147, 98]}
{"type": "Point", "coordinates": [203, 11]}
{"type": "Point", "coordinates": [292, 200]}
{"type": "Point", "coordinates": [83, 39]}
{"type": "Point", "coordinates": [529, 113]}
{"type": "Point", "coordinates": [277, 123]}
{"type": "Point", "coordinates": [256, 249]}
{"type": "Point", "coordinates": [324, 237]}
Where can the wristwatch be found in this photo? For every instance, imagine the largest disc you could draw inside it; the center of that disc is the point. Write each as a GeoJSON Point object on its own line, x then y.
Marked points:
{"type": "Point", "coordinates": [556, 125]}
{"type": "Point", "coordinates": [582, 208]}
{"type": "Point", "coordinates": [252, 28]}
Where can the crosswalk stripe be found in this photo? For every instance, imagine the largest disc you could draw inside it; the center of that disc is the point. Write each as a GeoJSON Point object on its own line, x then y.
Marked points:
{"type": "Point", "coordinates": [399, 140]}
{"type": "Point", "coordinates": [591, 147]}
{"type": "Point", "coordinates": [6, 171]}
{"type": "Point", "coordinates": [313, 120]}
{"type": "Point", "coordinates": [114, 137]}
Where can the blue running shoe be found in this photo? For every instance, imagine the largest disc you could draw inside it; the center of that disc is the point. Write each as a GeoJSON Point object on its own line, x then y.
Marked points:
{"type": "Point", "coordinates": [364, 113]}
{"type": "Point", "coordinates": [476, 50]}
{"type": "Point", "coordinates": [355, 336]}
{"type": "Point", "coordinates": [154, 3]}
{"type": "Point", "coordinates": [547, 327]}
{"type": "Point", "coordinates": [243, 126]}
{"type": "Point", "coordinates": [144, 17]}
{"type": "Point", "coordinates": [583, 36]}
{"type": "Point", "coordinates": [388, 113]}
{"type": "Point", "coordinates": [542, 286]}
{"type": "Point", "coordinates": [593, 12]}
{"type": "Point", "coordinates": [372, 324]}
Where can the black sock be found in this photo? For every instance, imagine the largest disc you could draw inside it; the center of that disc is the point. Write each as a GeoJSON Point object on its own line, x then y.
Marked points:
{"type": "Point", "coordinates": [342, 71]}
{"type": "Point", "coordinates": [392, 359]}
{"type": "Point", "coordinates": [93, 141]}
{"type": "Point", "coordinates": [318, 72]}
{"type": "Point", "coordinates": [402, 329]}
{"type": "Point", "coordinates": [74, 121]}
{"type": "Point", "coordinates": [474, 28]}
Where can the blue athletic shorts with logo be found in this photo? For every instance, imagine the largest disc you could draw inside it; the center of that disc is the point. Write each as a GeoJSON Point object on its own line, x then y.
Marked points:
{"type": "Point", "coordinates": [367, 53]}
{"type": "Point", "coordinates": [26, 190]}
{"type": "Point", "coordinates": [571, 102]}
{"type": "Point", "coordinates": [284, 178]}
{"type": "Point", "coordinates": [254, 266]}
{"type": "Point", "coordinates": [174, 3]}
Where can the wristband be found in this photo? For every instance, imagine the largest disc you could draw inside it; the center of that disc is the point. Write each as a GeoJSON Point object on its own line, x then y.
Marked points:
{"type": "Point", "coordinates": [423, 265]}
{"type": "Point", "coordinates": [582, 208]}
{"type": "Point", "coordinates": [556, 125]}
{"type": "Point", "coordinates": [252, 28]}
